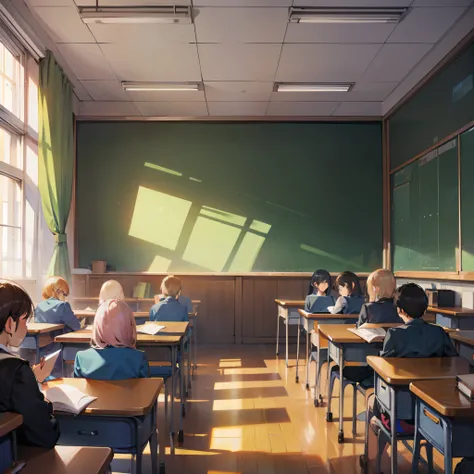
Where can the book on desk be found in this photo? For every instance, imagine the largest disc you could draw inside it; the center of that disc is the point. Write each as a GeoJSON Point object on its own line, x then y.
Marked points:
{"type": "Point", "coordinates": [465, 384]}
{"type": "Point", "coordinates": [68, 399]}
{"type": "Point", "coordinates": [369, 335]}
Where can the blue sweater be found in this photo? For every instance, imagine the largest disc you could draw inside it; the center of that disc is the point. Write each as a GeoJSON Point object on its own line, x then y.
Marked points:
{"type": "Point", "coordinates": [169, 309]}
{"type": "Point", "coordinates": [54, 311]}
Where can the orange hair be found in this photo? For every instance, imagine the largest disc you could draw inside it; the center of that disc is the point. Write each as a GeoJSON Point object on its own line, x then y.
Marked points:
{"type": "Point", "coordinates": [171, 286]}
{"type": "Point", "coordinates": [53, 285]}
{"type": "Point", "coordinates": [384, 281]}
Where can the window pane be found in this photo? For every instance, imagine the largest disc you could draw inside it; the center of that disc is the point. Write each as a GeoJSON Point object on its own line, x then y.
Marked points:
{"type": "Point", "coordinates": [10, 65]}
{"type": "Point", "coordinates": [10, 149]}
{"type": "Point", "coordinates": [10, 228]}
{"type": "Point", "coordinates": [10, 71]}
{"type": "Point", "coordinates": [30, 234]}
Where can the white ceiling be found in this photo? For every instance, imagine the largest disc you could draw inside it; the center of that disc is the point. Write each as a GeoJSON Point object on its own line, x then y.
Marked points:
{"type": "Point", "coordinates": [238, 49]}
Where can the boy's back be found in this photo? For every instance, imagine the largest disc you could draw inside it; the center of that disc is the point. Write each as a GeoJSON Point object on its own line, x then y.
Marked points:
{"type": "Point", "coordinates": [418, 338]}
{"type": "Point", "coordinates": [169, 309]}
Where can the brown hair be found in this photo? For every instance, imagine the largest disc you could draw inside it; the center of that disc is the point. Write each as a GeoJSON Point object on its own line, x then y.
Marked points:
{"type": "Point", "coordinates": [349, 280]}
{"type": "Point", "coordinates": [382, 279]}
{"type": "Point", "coordinates": [14, 303]}
{"type": "Point", "coordinates": [53, 285]}
{"type": "Point", "coordinates": [171, 286]}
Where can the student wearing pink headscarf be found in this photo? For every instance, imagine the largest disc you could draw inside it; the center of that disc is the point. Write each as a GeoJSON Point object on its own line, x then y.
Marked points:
{"type": "Point", "coordinates": [113, 355]}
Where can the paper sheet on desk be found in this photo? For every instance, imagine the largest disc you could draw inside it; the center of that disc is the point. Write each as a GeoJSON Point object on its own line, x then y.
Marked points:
{"type": "Point", "coordinates": [150, 328]}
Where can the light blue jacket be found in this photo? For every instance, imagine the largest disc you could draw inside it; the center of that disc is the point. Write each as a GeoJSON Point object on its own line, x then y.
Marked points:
{"type": "Point", "coordinates": [54, 311]}
{"type": "Point", "coordinates": [111, 363]}
{"type": "Point", "coordinates": [169, 309]}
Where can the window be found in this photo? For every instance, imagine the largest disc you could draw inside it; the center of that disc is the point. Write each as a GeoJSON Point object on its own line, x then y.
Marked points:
{"type": "Point", "coordinates": [18, 160]}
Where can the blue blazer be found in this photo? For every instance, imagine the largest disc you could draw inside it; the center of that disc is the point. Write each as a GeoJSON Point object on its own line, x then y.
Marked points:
{"type": "Point", "coordinates": [54, 311]}
{"type": "Point", "coordinates": [169, 309]}
{"type": "Point", "coordinates": [186, 302]}
{"type": "Point", "coordinates": [111, 363]}
{"type": "Point", "coordinates": [378, 312]}
{"type": "Point", "coordinates": [318, 304]}
{"type": "Point", "coordinates": [348, 305]}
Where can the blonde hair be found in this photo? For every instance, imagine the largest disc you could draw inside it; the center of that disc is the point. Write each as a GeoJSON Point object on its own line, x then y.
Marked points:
{"type": "Point", "coordinates": [111, 290]}
{"type": "Point", "coordinates": [54, 285]}
{"type": "Point", "coordinates": [171, 286]}
{"type": "Point", "coordinates": [382, 279]}
{"type": "Point", "coordinates": [114, 325]}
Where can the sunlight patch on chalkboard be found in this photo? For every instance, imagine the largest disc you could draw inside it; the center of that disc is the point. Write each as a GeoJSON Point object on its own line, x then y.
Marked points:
{"type": "Point", "coordinates": [163, 169]}
{"type": "Point", "coordinates": [158, 218]}
{"type": "Point", "coordinates": [348, 263]}
{"type": "Point", "coordinates": [247, 253]}
{"type": "Point", "coordinates": [159, 264]}
{"type": "Point", "coordinates": [222, 215]}
{"type": "Point", "coordinates": [260, 227]}
{"type": "Point", "coordinates": [195, 179]}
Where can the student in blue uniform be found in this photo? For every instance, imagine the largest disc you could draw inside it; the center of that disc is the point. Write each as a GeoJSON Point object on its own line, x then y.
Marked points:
{"type": "Point", "coordinates": [319, 298]}
{"type": "Point", "coordinates": [380, 309]}
{"type": "Point", "coordinates": [184, 300]}
{"type": "Point", "coordinates": [19, 390]}
{"type": "Point", "coordinates": [351, 299]}
{"type": "Point", "coordinates": [113, 355]}
{"type": "Point", "coordinates": [54, 309]}
{"type": "Point", "coordinates": [169, 309]}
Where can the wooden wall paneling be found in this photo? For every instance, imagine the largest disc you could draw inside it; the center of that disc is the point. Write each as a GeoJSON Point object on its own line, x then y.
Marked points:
{"type": "Point", "coordinates": [238, 310]}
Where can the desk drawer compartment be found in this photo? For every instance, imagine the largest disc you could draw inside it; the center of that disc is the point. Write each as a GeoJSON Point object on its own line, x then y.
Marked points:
{"type": "Point", "coordinates": [432, 426]}
{"type": "Point", "coordinates": [334, 352]}
{"type": "Point", "coordinates": [383, 393]}
{"type": "Point", "coordinates": [116, 433]}
{"type": "Point", "coordinates": [6, 453]}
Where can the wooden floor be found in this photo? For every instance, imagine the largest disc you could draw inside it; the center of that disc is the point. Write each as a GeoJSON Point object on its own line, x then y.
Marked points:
{"type": "Point", "coordinates": [246, 415]}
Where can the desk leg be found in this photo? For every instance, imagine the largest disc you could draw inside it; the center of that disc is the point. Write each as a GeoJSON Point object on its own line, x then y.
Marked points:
{"type": "Point", "coordinates": [316, 380]}
{"type": "Point", "coordinates": [278, 332]}
{"type": "Point", "coordinates": [328, 382]}
{"type": "Point", "coordinates": [173, 394]}
{"type": "Point", "coordinates": [188, 365]}
{"type": "Point", "coordinates": [448, 454]}
{"type": "Point", "coordinates": [182, 393]}
{"type": "Point", "coordinates": [340, 435]}
{"type": "Point", "coordinates": [286, 337]}
{"type": "Point", "coordinates": [154, 441]}
{"type": "Point", "coordinates": [195, 345]}
{"type": "Point", "coordinates": [297, 350]}
{"type": "Point", "coordinates": [393, 434]}
{"type": "Point", "coordinates": [307, 357]}
{"type": "Point", "coordinates": [416, 440]}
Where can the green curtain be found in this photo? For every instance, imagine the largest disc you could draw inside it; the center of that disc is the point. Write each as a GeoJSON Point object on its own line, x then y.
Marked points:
{"type": "Point", "coordinates": [56, 157]}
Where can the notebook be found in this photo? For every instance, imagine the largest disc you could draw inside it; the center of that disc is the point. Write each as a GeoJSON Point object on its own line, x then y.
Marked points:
{"type": "Point", "coordinates": [68, 399]}
{"type": "Point", "coordinates": [370, 335]}
{"type": "Point", "coordinates": [150, 328]}
{"type": "Point", "coordinates": [465, 384]}
{"type": "Point", "coordinates": [49, 361]}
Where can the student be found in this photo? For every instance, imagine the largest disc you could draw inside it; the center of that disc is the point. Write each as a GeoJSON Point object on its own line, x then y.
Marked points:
{"type": "Point", "coordinates": [111, 290]}
{"type": "Point", "coordinates": [54, 309]}
{"type": "Point", "coordinates": [19, 390]}
{"type": "Point", "coordinates": [350, 300]}
{"type": "Point", "coordinates": [380, 309]}
{"type": "Point", "coordinates": [319, 299]}
{"type": "Point", "coordinates": [416, 338]}
{"type": "Point", "coordinates": [184, 300]}
{"type": "Point", "coordinates": [113, 355]}
{"type": "Point", "coordinates": [169, 309]}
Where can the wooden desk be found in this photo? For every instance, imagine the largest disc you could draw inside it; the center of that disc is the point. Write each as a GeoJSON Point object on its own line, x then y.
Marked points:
{"type": "Point", "coordinates": [445, 418]}
{"type": "Point", "coordinates": [9, 422]}
{"type": "Point", "coordinates": [288, 311]}
{"type": "Point", "coordinates": [74, 342]}
{"type": "Point", "coordinates": [455, 318]}
{"type": "Point", "coordinates": [310, 322]}
{"type": "Point", "coordinates": [65, 460]}
{"type": "Point", "coordinates": [464, 341]}
{"type": "Point", "coordinates": [40, 335]}
{"type": "Point", "coordinates": [123, 417]}
{"type": "Point", "coordinates": [346, 349]}
{"type": "Point", "coordinates": [392, 379]}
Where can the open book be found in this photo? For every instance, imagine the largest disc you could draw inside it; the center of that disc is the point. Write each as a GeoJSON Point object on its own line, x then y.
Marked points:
{"type": "Point", "coordinates": [370, 335]}
{"type": "Point", "coordinates": [150, 328]}
{"type": "Point", "coordinates": [68, 399]}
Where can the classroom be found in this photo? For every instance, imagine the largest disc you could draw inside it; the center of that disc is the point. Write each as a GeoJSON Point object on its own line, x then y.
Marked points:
{"type": "Point", "coordinates": [236, 236]}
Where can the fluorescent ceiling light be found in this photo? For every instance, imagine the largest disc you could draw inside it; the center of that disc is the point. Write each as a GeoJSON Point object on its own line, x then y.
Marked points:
{"type": "Point", "coordinates": [346, 15]}
{"type": "Point", "coordinates": [161, 86]}
{"type": "Point", "coordinates": [153, 14]}
{"type": "Point", "coordinates": [336, 87]}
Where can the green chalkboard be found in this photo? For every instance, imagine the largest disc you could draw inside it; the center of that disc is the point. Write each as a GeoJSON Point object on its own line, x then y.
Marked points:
{"type": "Point", "coordinates": [438, 109]}
{"type": "Point", "coordinates": [236, 197]}
{"type": "Point", "coordinates": [467, 199]}
{"type": "Point", "coordinates": [425, 212]}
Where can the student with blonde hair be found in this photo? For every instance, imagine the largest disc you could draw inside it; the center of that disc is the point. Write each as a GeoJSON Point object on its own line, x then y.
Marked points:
{"type": "Point", "coordinates": [380, 309]}
{"type": "Point", "coordinates": [169, 308]}
{"type": "Point", "coordinates": [113, 355]}
{"type": "Point", "coordinates": [111, 290]}
{"type": "Point", "coordinates": [54, 309]}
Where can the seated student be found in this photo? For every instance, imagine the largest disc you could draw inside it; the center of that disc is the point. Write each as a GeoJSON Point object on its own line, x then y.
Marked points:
{"type": "Point", "coordinates": [19, 390]}
{"type": "Point", "coordinates": [319, 298]}
{"type": "Point", "coordinates": [169, 309]}
{"type": "Point", "coordinates": [350, 300]}
{"type": "Point", "coordinates": [184, 300]}
{"type": "Point", "coordinates": [54, 309]}
{"type": "Point", "coordinates": [111, 290]}
{"type": "Point", "coordinates": [113, 355]}
{"type": "Point", "coordinates": [415, 338]}
{"type": "Point", "coordinates": [380, 309]}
